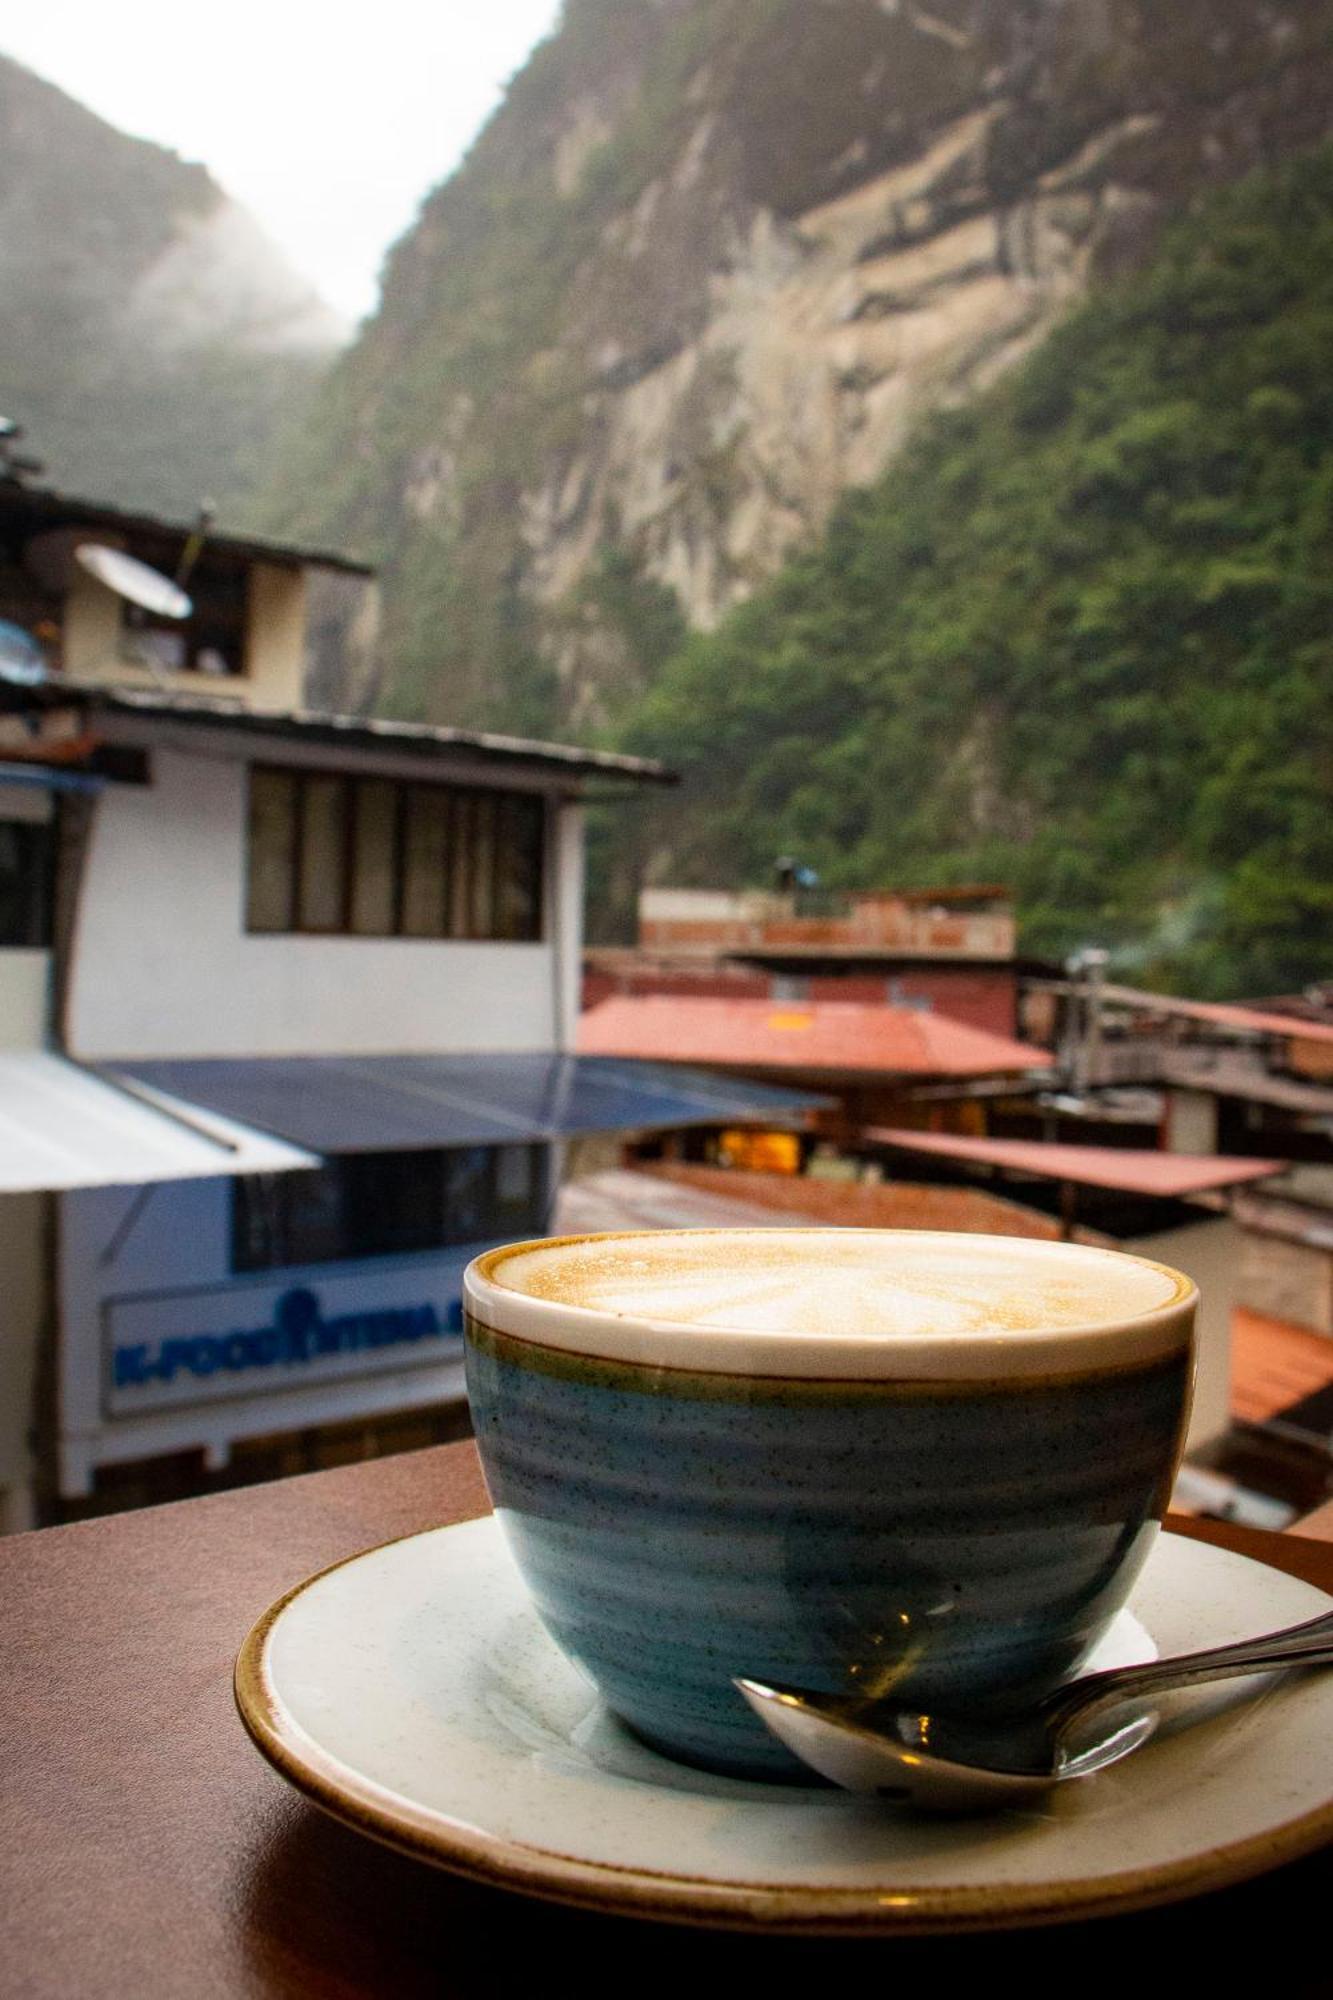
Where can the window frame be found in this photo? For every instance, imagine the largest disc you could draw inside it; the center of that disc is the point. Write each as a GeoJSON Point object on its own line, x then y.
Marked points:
{"type": "Point", "coordinates": [509, 826]}
{"type": "Point", "coordinates": [263, 1208]}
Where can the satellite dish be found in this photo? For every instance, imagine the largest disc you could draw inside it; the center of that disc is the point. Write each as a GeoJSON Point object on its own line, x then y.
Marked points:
{"type": "Point", "coordinates": [134, 580]}
{"type": "Point", "coordinates": [22, 661]}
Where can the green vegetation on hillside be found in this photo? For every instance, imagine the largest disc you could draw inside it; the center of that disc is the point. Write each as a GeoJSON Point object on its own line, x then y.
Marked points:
{"type": "Point", "coordinates": [1080, 638]}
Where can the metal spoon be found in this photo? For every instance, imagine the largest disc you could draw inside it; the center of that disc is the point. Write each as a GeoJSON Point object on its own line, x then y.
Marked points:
{"type": "Point", "coordinates": [959, 1763]}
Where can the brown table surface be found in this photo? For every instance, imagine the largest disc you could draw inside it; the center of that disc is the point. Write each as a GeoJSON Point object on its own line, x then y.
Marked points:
{"type": "Point", "coordinates": [146, 1850]}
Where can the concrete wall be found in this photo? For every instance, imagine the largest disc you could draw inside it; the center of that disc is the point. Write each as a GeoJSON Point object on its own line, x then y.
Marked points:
{"type": "Point", "coordinates": [90, 630]}
{"type": "Point", "coordinates": [25, 979]}
{"type": "Point", "coordinates": [275, 637]}
{"type": "Point", "coordinates": [163, 967]}
{"type": "Point", "coordinates": [25, 976]}
{"type": "Point", "coordinates": [1191, 1121]}
{"type": "Point", "coordinates": [1208, 1252]}
{"type": "Point", "coordinates": [1288, 1280]}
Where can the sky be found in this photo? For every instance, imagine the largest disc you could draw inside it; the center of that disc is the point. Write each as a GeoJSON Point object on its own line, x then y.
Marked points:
{"type": "Point", "coordinates": [330, 134]}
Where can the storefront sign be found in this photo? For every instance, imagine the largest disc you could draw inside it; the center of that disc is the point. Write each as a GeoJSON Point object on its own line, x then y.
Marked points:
{"type": "Point", "coordinates": [237, 1340]}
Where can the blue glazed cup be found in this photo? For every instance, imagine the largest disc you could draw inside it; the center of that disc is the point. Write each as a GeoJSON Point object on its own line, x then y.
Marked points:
{"type": "Point", "coordinates": [944, 1518]}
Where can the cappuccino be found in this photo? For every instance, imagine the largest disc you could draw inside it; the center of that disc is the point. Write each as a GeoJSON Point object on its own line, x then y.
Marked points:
{"type": "Point", "coordinates": [844, 1282]}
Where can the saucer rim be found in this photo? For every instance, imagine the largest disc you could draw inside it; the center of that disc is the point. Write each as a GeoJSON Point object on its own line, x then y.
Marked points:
{"type": "Point", "coordinates": [675, 1897]}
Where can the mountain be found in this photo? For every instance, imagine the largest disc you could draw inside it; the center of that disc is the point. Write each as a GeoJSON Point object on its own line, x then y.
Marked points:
{"type": "Point", "coordinates": [151, 337]}
{"type": "Point", "coordinates": [1079, 637]}
{"type": "Point", "coordinates": [709, 265]}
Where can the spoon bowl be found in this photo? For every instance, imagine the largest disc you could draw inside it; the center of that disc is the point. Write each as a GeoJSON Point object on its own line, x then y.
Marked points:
{"type": "Point", "coordinates": [944, 1762]}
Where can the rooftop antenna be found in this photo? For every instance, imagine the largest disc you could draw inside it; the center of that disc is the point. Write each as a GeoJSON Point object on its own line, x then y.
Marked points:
{"type": "Point", "coordinates": [208, 513]}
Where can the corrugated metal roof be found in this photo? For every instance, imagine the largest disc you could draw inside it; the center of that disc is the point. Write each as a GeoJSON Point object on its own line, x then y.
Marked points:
{"type": "Point", "coordinates": [370, 1104]}
{"type": "Point", "coordinates": [821, 1037]}
{"type": "Point", "coordinates": [47, 508]}
{"type": "Point", "coordinates": [354, 732]}
{"type": "Point", "coordinates": [63, 1127]}
{"type": "Point", "coordinates": [1130, 1170]}
{"type": "Point", "coordinates": [1221, 1014]}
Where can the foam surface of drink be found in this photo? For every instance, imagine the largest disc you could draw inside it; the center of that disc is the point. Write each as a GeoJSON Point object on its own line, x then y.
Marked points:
{"type": "Point", "coordinates": [840, 1281]}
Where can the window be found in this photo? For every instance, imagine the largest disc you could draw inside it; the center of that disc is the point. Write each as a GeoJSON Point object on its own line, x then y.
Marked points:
{"type": "Point", "coordinates": [25, 884]}
{"type": "Point", "coordinates": [387, 1205]}
{"type": "Point", "coordinates": [368, 857]}
{"type": "Point", "coordinates": [210, 641]}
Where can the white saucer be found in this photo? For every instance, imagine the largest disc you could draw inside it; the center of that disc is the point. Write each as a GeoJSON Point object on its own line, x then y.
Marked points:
{"type": "Point", "coordinates": [413, 1693]}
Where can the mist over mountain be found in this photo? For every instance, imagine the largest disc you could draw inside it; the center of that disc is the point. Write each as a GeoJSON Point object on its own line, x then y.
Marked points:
{"type": "Point", "coordinates": [151, 336]}
{"type": "Point", "coordinates": [708, 266]}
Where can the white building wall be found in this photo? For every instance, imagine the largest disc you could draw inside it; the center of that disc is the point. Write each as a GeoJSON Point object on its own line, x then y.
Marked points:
{"type": "Point", "coordinates": [163, 966]}
{"type": "Point", "coordinates": [1209, 1252]}
{"type": "Point", "coordinates": [565, 919]}
{"type": "Point", "coordinates": [25, 979]}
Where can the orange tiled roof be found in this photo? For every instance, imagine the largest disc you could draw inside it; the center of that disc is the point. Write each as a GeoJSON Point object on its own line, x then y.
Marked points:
{"type": "Point", "coordinates": [826, 1036]}
{"type": "Point", "coordinates": [1274, 1364]}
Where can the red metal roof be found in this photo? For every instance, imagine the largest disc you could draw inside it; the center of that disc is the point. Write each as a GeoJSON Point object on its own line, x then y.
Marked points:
{"type": "Point", "coordinates": [1222, 1014]}
{"type": "Point", "coordinates": [828, 1036]}
{"type": "Point", "coordinates": [1132, 1170]}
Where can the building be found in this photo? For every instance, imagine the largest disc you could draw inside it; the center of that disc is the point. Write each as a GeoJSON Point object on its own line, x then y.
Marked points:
{"type": "Point", "coordinates": [1214, 1076]}
{"type": "Point", "coordinates": [945, 950]}
{"type": "Point", "coordinates": [1170, 1207]}
{"type": "Point", "coordinates": [255, 613]}
{"type": "Point", "coordinates": [874, 1062]}
{"type": "Point", "coordinates": [287, 1004]}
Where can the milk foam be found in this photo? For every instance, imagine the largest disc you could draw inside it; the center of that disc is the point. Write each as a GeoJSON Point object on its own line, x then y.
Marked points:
{"type": "Point", "coordinates": [840, 1281]}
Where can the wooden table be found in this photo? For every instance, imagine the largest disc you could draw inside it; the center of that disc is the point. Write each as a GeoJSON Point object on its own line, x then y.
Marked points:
{"type": "Point", "coordinates": [146, 1851]}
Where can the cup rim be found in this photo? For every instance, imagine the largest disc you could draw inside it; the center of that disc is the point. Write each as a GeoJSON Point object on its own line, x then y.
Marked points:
{"type": "Point", "coordinates": [985, 1355]}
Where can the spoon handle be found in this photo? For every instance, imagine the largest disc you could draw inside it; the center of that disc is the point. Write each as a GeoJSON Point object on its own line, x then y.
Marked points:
{"type": "Point", "coordinates": [1298, 1645]}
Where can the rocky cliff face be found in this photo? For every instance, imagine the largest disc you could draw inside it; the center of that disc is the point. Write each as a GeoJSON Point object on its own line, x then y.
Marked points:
{"type": "Point", "coordinates": [704, 270]}
{"type": "Point", "coordinates": [150, 334]}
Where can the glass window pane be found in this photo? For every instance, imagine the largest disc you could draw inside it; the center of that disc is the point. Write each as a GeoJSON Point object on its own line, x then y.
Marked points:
{"type": "Point", "coordinates": [394, 1202]}
{"type": "Point", "coordinates": [483, 866]}
{"type": "Point", "coordinates": [518, 1190]}
{"type": "Point", "coordinates": [467, 1194]}
{"type": "Point", "coordinates": [425, 858]}
{"type": "Point", "coordinates": [460, 868]}
{"type": "Point", "coordinates": [323, 869]}
{"type": "Point", "coordinates": [518, 868]}
{"type": "Point", "coordinates": [312, 1216]}
{"type": "Point", "coordinates": [272, 851]}
{"type": "Point", "coordinates": [374, 857]}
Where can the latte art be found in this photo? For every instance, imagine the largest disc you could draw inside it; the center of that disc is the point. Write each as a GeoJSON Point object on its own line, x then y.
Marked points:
{"type": "Point", "coordinates": [842, 1282]}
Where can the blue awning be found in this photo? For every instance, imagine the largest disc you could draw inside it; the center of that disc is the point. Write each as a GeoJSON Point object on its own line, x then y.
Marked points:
{"type": "Point", "coordinates": [374, 1104]}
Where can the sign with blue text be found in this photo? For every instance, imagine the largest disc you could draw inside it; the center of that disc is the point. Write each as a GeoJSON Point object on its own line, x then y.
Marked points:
{"type": "Point", "coordinates": [167, 1349]}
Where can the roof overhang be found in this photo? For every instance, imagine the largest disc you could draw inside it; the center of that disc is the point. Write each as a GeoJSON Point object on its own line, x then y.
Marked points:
{"type": "Point", "coordinates": [44, 509]}
{"type": "Point", "coordinates": [134, 715]}
{"type": "Point", "coordinates": [62, 1127]}
{"type": "Point", "coordinates": [370, 1104]}
{"type": "Point", "coordinates": [1126, 1170]}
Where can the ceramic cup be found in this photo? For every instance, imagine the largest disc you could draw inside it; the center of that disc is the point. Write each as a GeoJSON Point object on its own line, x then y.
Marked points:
{"type": "Point", "coordinates": [947, 1517]}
